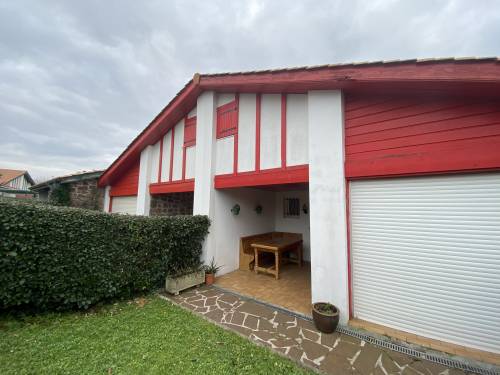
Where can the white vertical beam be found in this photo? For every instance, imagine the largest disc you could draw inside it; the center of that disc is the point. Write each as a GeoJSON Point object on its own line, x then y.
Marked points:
{"type": "Point", "coordinates": [107, 189]}
{"type": "Point", "coordinates": [329, 275]}
{"type": "Point", "coordinates": [204, 192]}
{"type": "Point", "coordinates": [143, 196]}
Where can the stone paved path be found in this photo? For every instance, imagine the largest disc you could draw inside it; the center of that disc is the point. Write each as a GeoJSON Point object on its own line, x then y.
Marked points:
{"type": "Point", "coordinates": [298, 339]}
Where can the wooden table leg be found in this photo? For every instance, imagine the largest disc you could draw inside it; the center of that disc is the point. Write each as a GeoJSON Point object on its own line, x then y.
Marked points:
{"type": "Point", "coordinates": [300, 254]}
{"type": "Point", "coordinates": [277, 267]}
{"type": "Point", "coordinates": [256, 256]}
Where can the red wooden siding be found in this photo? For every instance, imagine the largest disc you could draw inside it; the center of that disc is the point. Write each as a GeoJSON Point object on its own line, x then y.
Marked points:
{"type": "Point", "coordinates": [417, 135]}
{"type": "Point", "coordinates": [190, 131]}
{"type": "Point", "coordinates": [127, 183]}
{"type": "Point", "coordinates": [227, 119]}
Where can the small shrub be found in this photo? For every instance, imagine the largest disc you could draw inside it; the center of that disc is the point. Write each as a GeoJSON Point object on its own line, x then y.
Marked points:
{"type": "Point", "coordinates": [57, 258]}
{"type": "Point", "coordinates": [60, 195]}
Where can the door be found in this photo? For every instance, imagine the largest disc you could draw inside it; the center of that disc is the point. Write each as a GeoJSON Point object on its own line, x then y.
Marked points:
{"type": "Point", "coordinates": [426, 256]}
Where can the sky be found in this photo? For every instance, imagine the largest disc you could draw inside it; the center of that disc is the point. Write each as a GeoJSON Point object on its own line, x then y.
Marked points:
{"type": "Point", "coordinates": [80, 79]}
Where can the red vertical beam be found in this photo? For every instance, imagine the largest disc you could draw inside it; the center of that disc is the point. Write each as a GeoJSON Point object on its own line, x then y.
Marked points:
{"type": "Point", "coordinates": [161, 159]}
{"type": "Point", "coordinates": [257, 132]}
{"type": "Point", "coordinates": [235, 156]}
{"type": "Point", "coordinates": [283, 130]}
{"type": "Point", "coordinates": [172, 144]}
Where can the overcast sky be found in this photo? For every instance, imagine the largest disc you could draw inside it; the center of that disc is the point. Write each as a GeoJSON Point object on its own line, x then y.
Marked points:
{"type": "Point", "coordinates": [80, 79]}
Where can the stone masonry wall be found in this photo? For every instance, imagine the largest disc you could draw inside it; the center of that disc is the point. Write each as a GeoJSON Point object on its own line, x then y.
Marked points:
{"type": "Point", "coordinates": [86, 194]}
{"type": "Point", "coordinates": [172, 204]}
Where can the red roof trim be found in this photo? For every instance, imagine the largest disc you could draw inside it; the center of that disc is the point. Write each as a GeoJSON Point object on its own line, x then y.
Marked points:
{"type": "Point", "coordinates": [430, 74]}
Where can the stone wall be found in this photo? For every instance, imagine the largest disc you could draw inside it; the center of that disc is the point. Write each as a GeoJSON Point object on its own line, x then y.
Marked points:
{"type": "Point", "coordinates": [172, 204]}
{"type": "Point", "coordinates": [86, 194]}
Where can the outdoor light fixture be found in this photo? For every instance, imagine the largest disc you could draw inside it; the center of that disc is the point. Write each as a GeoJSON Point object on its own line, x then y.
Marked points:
{"type": "Point", "coordinates": [305, 209]}
{"type": "Point", "coordinates": [258, 209]}
{"type": "Point", "coordinates": [236, 209]}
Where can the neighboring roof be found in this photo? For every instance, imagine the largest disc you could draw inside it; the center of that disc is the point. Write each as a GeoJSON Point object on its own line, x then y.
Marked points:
{"type": "Point", "coordinates": [480, 74]}
{"type": "Point", "coordinates": [73, 177]}
{"type": "Point", "coordinates": [7, 175]}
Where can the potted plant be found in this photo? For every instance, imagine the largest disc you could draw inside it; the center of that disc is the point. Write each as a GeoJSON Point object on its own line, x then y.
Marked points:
{"type": "Point", "coordinates": [183, 279]}
{"type": "Point", "coordinates": [210, 271]}
{"type": "Point", "coordinates": [325, 316]}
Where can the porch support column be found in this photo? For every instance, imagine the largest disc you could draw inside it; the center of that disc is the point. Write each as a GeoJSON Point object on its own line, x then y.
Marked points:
{"type": "Point", "coordinates": [327, 195]}
{"type": "Point", "coordinates": [204, 192]}
{"type": "Point", "coordinates": [143, 196]}
{"type": "Point", "coordinates": [107, 198]}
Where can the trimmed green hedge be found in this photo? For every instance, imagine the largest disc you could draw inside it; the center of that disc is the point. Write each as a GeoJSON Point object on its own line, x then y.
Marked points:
{"type": "Point", "coordinates": [58, 258]}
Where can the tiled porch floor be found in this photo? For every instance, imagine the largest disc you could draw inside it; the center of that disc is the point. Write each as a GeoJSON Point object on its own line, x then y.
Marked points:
{"type": "Point", "coordinates": [292, 291]}
{"type": "Point", "coordinates": [299, 340]}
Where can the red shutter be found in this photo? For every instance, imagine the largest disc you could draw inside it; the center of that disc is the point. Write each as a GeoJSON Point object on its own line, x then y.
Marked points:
{"type": "Point", "coordinates": [227, 119]}
{"type": "Point", "coordinates": [190, 132]}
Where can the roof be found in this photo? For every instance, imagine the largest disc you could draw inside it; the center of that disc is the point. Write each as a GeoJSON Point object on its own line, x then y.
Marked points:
{"type": "Point", "coordinates": [76, 176]}
{"type": "Point", "coordinates": [481, 75]}
{"type": "Point", "coordinates": [7, 175]}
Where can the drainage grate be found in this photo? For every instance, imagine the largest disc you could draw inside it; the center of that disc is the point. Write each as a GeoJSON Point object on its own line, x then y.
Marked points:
{"type": "Point", "coordinates": [436, 358]}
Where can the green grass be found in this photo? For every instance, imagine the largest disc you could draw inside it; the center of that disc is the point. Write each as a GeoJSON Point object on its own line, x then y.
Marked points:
{"type": "Point", "coordinates": [144, 336]}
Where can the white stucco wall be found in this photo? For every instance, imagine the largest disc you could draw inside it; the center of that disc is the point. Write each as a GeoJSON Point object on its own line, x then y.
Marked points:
{"type": "Point", "coordinates": [296, 130]}
{"type": "Point", "coordinates": [155, 162]}
{"type": "Point", "coordinates": [192, 113]}
{"type": "Point", "coordinates": [178, 144]}
{"type": "Point", "coordinates": [224, 98]}
{"type": "Point", "coordinates": [224, 155]}
{"type": "Point", "coordinates": [246, 132]}
{"type": "Point", "coordinates": [270, 131]}
{"type": "Point", "coordinates": [165, 164]}
{"type": "Point", "coordinates": [143, 196]}
{"type": "Point", "coordinates": [328, 200]}
{"type": "Point", "coordinates": [204, 191]}
{"type": "Point", "coordinates": [294, 225]}
{"type": "Point", "coordinates": [107, 198]}
{"type": "Point", "coordinates": [190, 160]}
{"type": "Point", "coordinates": [229, 228]}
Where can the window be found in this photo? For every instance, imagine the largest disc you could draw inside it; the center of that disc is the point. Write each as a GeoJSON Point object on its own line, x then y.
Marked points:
{"type": "Point", "coordinates": [291, 207]}
{"type": "Point", "coordinates": [227, 119]}
{"type": "Point", "coordinates": [190, 131]}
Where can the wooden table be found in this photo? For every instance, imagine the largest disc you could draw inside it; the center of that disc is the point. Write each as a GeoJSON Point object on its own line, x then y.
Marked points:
{"type": "Point", "coordinates": [277, 246]}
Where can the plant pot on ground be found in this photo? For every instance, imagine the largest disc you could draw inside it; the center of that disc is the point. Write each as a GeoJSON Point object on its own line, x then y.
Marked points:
{"type": "Point", "coordinates": [210, 271]}
{"type": "Point", "coordinates": [325, 316]}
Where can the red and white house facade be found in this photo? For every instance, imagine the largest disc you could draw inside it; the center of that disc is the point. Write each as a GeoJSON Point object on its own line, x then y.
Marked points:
{"type": "Point", "coordinates": [402, 162]}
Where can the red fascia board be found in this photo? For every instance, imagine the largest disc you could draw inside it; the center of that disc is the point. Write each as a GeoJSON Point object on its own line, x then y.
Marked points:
{"type": "Point", "coordinates": [277, 176]}
{"type": "Point", "coordinates": [171, 115]}
{"type": "Point", "coordinates": [479, 71]}
{"type": "Point", "coordinates": [172, 187]}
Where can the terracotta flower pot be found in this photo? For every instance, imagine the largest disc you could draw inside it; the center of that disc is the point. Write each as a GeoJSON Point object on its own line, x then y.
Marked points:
{"type": "Point", "coordinates": [325, 321]}
{"type": "Point", "coordinates": [209, 278]}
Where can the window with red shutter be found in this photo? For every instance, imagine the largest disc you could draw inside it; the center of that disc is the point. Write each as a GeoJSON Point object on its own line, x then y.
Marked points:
{"type": "Point", "coordinates": [227, 119]}
{"type": "Point", "coordinates": [190, 131]}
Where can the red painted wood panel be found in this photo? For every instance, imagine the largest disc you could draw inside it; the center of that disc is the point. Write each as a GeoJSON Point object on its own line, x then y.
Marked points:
{"type": "Point", "coordinates": [276, 176]}
{"type": "Point", "coordinates": [172, 187]}
{"type": "Point", "coordinates": [127, 183]}
{"type": "Point", "coordinates": [419, 135]}
{"type": "Point", "coordinates": [227, 119]}
{"type": "Point", "coordinates": [190, 131]}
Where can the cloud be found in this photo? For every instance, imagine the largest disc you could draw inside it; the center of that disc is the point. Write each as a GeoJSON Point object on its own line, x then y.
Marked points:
{"type": "Point", "coordinates": [80, 79]}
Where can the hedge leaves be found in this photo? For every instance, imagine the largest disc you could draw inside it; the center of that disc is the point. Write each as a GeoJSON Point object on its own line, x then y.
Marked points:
{"type": "Point", "coordinates": [57, 258]}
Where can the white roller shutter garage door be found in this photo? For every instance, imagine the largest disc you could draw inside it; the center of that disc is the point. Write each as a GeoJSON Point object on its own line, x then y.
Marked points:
{"type": "Point", "coordinates": [124, 205]}
{"type": "Point", "coordinates": [426, 256]}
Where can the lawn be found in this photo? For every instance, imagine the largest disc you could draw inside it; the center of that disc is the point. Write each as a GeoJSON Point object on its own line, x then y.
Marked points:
{"type": "Point", "coordinates": [144, 336]}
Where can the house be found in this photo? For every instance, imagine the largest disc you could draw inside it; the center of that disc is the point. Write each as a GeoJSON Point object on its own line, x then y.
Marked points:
{"type": "Point", "coordinates": [15, 183]}
{"type": "Point", "coordinates": [390, 170]}
{"type": "Point", "coordinates": [80, 189]}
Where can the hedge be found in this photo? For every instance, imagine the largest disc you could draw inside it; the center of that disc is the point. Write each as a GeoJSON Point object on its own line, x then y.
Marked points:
{"type": "Point", "coordinates": [59, 258]}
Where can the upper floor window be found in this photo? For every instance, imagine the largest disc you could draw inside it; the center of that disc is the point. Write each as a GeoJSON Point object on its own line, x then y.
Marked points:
{"type": "Point", "coordinates": [227, 119]}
